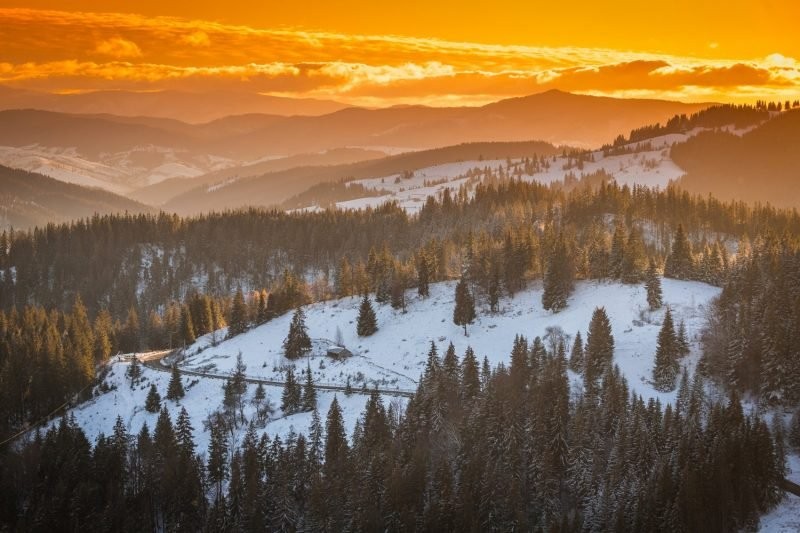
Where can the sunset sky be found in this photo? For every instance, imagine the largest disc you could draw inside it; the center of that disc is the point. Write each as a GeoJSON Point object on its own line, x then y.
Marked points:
{"type": "Point", "coordinates": [442, 53]}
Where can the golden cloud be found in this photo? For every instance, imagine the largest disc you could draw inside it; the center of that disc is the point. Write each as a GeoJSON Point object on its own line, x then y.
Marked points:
{"type": "Point", "coordinates": [359, 69]}
{"type": "Point", "coordinates": [196, 38]}
{"type": "Point", "coordinates": [119, 48]}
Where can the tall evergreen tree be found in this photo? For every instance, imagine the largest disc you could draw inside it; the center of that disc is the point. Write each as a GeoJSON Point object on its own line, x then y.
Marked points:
{"type": "Point", "coordinates": [599, 351]}
{"type": "Point", "coordinates": [680, 264]}
{"type": "Point", "coordinates": [634, 261]}
{"type": "Point", "coordinates": [576, 359]}
{"type": "Point", "coordinates": [238, 321]}
{"type": "Point", "coordinates": [653, 287]}
{"type": "Point", "coordinates": [559, 278]}
{"type": "Point", "coordinates": [682, 340]}
{"type": "Point", "coordinates": [297, 343]}
{"type": "Point", "coordinates": [175, 388]}
{"type": "Point", "coordinates": [187, 326]}
{"type": "Point", "coordinates": [464, 312]}
{"type": "Point", "coordinates": [291, 399]}
{"type": "Point", "coordinates": [367, 323]}
{"type": "Point", "coordinates": [666, 368]}
{"type": "Point", "coordinates": [423, 275]}
{"type": "Point", "coordinates": [309, 392]}
{"type": "Point", "coordinates": [153, 401]}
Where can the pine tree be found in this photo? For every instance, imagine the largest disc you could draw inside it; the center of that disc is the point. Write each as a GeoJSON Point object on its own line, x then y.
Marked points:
{"type": "Point", "coordinates": [634, 261]}
{"type": "Point", "coordinates": [599, 351]}
{"type": "Point", "coordinates": [494, 290]}
{"type": "Point", "coordinates": [134, 371]}
{"type": "Point", "coordinates": [464, 312]}
{"type": "Point", "coordinates": [679, 263]}
{"type": "Point", "coordinates": [262, 312]}
{"type": "Point", "coordinates": [576, 361]}
{"type": "Point", "coordinates": [309, 392]}
{"type": "Point", "coordinates": [291, 399]}
{"type": "Point", "coordinates": [238, 321]}
{"type": "Point", "coordinates": [470, 377]}
{"type": "Point", "coordinates": [187, 326]}
{"type": "Point", "coordinates": [666, 367]}
{"type": "Point", "coordinates": [367, 322]}
{"type": "Point", "coordinates": [653, 286]}
{"type": "Point", "coordinates": [297, 343]}
{"type": "Point", "coordinates": [423, 276]}
{"type": "Point", "coordinates": [559, 278]}
{"type": "Point", "coordinates": [153, 401]}
{"type": "Point", "coordinates": [217, 454]}
{"type": "Point", "coordinates": [617, 256]}
{"type": "Point", "coordinates": [175, 388]}
{"type": "Point", "coordinates": [682, 340]}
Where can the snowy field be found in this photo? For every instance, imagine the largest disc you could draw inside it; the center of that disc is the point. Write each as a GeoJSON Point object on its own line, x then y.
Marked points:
{"type": "Point", "coordinates": [394, 357]}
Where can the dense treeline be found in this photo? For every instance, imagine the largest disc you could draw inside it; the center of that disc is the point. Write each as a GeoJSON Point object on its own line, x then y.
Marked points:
{"type": "Point", "coordinates": [760, 165]}
{"type": "Point", "coordinates": [716, 116]}
{"type": "Point", "coordinates": [119, 262]}
{"type": "Point", "coordinates": [138, 276]}
{"type": "Point", "coordinates": [476, 449]}
{"type": "Point", "coordinates": [752, 339]}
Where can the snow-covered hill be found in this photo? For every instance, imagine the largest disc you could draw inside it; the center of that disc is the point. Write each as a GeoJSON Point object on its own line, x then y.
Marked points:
{"type": "Point", "coordinates": [394, 357]}
{"type": "Point", "coordinates": [120, 172]}
{"type": "Point", "coordinates": [647, 163]}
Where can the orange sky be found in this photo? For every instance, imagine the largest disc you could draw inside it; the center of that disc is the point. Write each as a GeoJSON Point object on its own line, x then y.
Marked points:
{"type": "Point", "coordinates": [448, 52]}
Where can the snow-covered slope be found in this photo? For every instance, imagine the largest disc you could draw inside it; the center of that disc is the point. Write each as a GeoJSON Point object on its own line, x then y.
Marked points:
{"type": "Point", "coordinates": [394, 357]}
{"type": "Point", "coordinates": [647, 163]}
{"type": "Point", "coordinates": [119, 173]}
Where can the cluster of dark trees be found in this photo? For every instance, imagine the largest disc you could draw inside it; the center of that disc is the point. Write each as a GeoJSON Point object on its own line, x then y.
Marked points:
{"type": "Point", "coordinates": [498, 240]}
{"type": "Point", "coordinates": [601, 460]}
{"type": "Point", "coordinates": [476, 448]}
{"type": "Point", "coordinates": [752, 341]}
{"type": "Point", "coordinates": [716, 116]}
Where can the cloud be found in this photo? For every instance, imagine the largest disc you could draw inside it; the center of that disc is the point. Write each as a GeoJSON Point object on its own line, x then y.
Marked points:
{"type": "Point", "coordinates": [358, 69]}
{"type": "Point", "coordinates": [119, 48]}
{"type": "Point", "coordinates": [196, 38]}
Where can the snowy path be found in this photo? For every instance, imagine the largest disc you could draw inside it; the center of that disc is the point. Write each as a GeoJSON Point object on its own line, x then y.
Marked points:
{"type": "Point", "coordinates": [155, 364]}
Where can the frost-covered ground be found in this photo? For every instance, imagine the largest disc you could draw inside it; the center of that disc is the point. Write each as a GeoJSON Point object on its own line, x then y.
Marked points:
{"type": "Point", "coordinates": [203, 396]}
{"type": "Point", "coordinates": [394, 357]}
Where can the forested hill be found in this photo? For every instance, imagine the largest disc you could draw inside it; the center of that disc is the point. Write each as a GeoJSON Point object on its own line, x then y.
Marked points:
{"type": "Point", "coordinates": [762, 165]}
{"type": "Point", "coordinates": [273, 188]}
{"type": "Point", "coordinates": [28, 199]}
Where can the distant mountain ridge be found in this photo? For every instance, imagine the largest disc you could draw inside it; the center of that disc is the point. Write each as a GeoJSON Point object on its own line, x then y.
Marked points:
{"type": "Point", "coordinates": [185, 106]}
{"type": "Point", "coordinates": [28, 199]}
{"type": "Point", "coordinates": [762, 165]}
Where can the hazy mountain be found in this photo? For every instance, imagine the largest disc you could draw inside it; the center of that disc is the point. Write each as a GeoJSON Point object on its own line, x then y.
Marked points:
{"type": "Point", "coordinates": [162, 192]}
{"type": "Point", "coordinates": [761, 165]}
{"type": "Point", "coordinates": [123, 154]}
{"type": "Point", "coordinates": [28, 199]}
{"type": "Point", "coordinates": [275, 187]}
{"type": "Point", "coordinates": [552, 116]}
{"type": "Point", "coordinates": [185, 106]}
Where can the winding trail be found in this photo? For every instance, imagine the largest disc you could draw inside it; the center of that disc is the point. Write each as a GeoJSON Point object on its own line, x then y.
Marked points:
{"type": "Point", "coordinates": [152, 360]}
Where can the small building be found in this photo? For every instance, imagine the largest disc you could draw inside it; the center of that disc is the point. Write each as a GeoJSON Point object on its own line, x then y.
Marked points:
{"type": "Point", "coordinates": [339, 352]}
